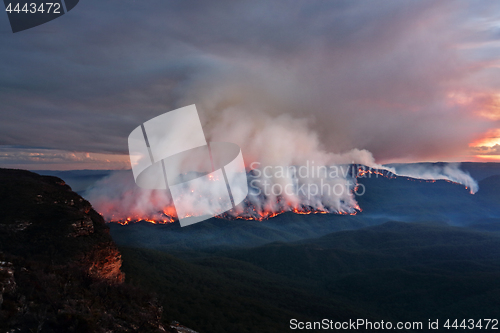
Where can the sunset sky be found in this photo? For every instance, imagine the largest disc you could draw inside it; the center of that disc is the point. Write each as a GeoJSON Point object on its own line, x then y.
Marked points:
{"type": "Point", "coordinates": [406, 80]}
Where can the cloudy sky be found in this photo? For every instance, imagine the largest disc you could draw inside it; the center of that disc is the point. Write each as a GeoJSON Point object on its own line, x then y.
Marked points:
{"type": "Point", "coordinates": [405, 80]}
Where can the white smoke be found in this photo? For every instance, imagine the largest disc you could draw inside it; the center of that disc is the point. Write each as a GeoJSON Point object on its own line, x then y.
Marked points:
{"type": "Point", "coordinates": [278, 148]}
{"type": "Point", "coordinates": [265, 140]}
{"type": "Point", "coordinates": [449, 171]}
{"type": "Point", "coordinates": [118, 198]}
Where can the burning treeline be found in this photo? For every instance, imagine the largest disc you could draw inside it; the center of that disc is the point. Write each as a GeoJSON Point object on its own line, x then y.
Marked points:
{"type": "Point", "coordinates": [273, 190]}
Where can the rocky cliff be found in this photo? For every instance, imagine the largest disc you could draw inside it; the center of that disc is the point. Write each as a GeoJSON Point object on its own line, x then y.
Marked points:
{"type": "Point", "coordinates": [59, 267]}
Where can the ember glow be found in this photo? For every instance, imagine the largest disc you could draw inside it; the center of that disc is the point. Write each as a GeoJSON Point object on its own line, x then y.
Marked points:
{"type": "Point", "coordinates": [168, 215]}
{"type": "Point", "coordinates": [249, 213]}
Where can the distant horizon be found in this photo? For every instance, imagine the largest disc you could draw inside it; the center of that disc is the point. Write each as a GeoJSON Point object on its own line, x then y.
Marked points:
{"type": "Point", "coordinates": [19, 167]}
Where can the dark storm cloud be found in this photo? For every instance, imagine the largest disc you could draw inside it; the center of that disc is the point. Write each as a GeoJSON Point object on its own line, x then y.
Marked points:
{"type": "Point", "coordinates": [376, 75]}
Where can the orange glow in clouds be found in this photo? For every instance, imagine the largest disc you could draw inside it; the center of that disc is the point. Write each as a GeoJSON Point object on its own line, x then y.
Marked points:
{"type": "Point", "coordinates": [487, 149]}
{"type": "Point", "coordinates": [491, 139]}
{"type": "Point", "coordinates": [484, 105]}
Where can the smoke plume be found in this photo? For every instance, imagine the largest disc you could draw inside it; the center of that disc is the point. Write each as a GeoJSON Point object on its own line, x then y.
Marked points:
{"type": "Point", "coordinates": [449, 171]}
{"type": "Point", "coordinates": [288, 170]}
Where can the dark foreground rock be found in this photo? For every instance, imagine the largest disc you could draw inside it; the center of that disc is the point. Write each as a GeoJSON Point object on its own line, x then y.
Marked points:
{"type": "Point", "coordinates": [59, 267]}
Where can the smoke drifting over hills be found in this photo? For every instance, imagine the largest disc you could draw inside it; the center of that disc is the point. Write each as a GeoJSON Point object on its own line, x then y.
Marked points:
{"type": "Point", "coordinates": [307, 188]}
{"type": "Point", "coordinates": [334, 82]}
{"type": "Point", "coordinates": [449, 172]}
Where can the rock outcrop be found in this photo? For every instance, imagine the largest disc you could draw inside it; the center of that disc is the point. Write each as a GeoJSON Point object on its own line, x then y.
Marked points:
{"type": "Point", "coordinates": [59, 267]}
{"type": "Point", "coordinates": [42, 217]}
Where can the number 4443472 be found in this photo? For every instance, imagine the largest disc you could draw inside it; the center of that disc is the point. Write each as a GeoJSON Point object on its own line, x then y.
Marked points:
{"type": "Point", "coordinates": [54, 8]}
{"type": "Point", "coordinates": [491, 324]}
